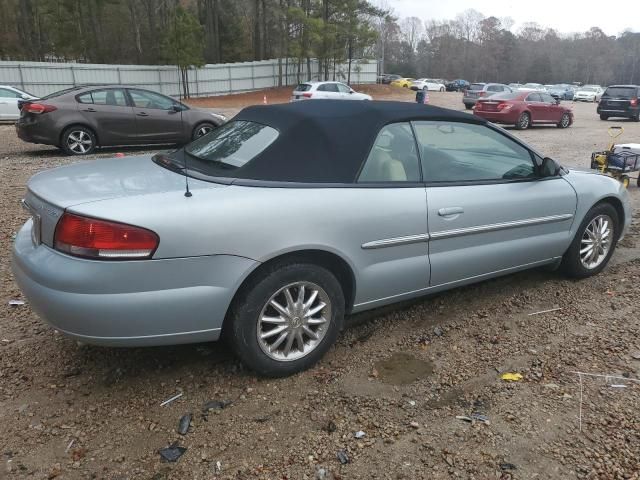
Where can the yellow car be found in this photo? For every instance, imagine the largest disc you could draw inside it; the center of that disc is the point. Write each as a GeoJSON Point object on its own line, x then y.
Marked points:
{"type": "Point", "coordinates": [402, 82]}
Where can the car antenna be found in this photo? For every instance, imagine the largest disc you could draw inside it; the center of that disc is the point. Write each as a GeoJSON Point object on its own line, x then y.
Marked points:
{"type": "Point", "coordinates": [187, 192]}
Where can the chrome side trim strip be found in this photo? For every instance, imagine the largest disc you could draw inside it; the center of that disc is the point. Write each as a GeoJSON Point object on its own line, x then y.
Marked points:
{"type": "Point", "coordinates": [393, 242]}
{"type": "Point", "coordinates": [458, 232]}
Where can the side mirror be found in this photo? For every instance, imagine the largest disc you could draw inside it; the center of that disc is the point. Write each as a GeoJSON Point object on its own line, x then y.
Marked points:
{"type": "Point", "coordinates": [24, 96]}
{"type": "Point", "coordinates": [175, 108]}
{"type": "Point", "coordinates": [549, 168]}
{"type": "Point", "coordinates": [557, 101]}
{"type": "Point", "coordinates": [352, 91]}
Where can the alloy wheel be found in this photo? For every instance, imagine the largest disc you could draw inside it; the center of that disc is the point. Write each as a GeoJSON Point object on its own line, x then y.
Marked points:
{"type": "Point", "coordinates": [203, 130]}
{"type": "Point", "coordinates": [79, 141]}
{"type": "Point", "coordinates": [524, 121]}
{"type": "Point", "coordinates": [565, 120]}
{"type": "Point", "coordinates": [294, 321]}
{"type": "Point", "coordinates": [596, 242]}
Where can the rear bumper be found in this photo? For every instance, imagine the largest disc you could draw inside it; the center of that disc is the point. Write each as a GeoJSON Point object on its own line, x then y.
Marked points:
{"type": "Point", "coordinates": [36, 132]}
{"type": "Point", "coordinates": [508, 118]}
{"type": "Point", "coordinates": [128, 303]}
{"type": "Point", "coordinates": [613, 112]}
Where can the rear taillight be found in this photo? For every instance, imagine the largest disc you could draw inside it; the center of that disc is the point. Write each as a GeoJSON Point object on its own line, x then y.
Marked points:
{"type": "Point", "coordinates": [38, 108]}
{"type": "Point", "coordinates": [634, 102]}
{"type": "Point", "coordinates": [502, 106]}
{"type": "Point", "coordinates": [100, 239]}
{"type": "Point", "coordinates": [307, 95]}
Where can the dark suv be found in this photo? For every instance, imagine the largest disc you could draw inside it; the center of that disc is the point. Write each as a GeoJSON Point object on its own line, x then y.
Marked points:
{"type": "Point", "coordinates": [620, 101]}
{"type": "Point", "coordinates": [82, 118]}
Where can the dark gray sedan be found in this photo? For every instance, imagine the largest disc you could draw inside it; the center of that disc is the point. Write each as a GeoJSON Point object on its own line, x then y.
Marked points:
{"type": "Point", "coordinates": [80, 119]}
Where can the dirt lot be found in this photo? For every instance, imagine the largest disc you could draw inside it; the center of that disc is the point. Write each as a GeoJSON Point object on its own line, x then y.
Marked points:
{"type": "Point", "coordinates": [401, 375]}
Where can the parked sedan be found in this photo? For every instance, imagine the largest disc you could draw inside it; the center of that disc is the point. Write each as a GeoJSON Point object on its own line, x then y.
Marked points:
{"type": "Point", "coordinates": [588, 93]}
{"type": "Point", "coordinates": [10, 97]}
{"type": "Point", "coordinates": [457, 85]}
{"type": "Point", "coordinates": [524, 109]}
{"type": "Point", "coordinates": [561, 91]}
{"type": "Point", "coordinates": [427, 84]}
{"type": "Point", "coordinates": [388, 78]}
{"type": "Point", "coordinates": [80, 119]}
{"type": "Point", "coordinates": [482, 90]}
{"type": "Point", "coordinates": [295, 215]}
{"type": "Point", "coordinates": [402, 82]}
{"type": "Point", "coordinates": [326, 91]}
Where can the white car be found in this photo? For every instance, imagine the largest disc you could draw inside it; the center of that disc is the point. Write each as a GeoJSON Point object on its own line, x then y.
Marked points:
{"type": "Point", "coordinates": [326, 91]}
{"type": "Point", "coordinates": [9, 97]}
{"type": "Point", "coordinates": [427, 84]}
{"type": "Point", "coordinates": [532, 87]}
{"type": "Point", "coordinates": [588, 93]}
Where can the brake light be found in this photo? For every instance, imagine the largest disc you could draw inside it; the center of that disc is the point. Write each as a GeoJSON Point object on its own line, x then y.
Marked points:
{"type": "Point", "coordinates": [503, 106]}
{"type": "Point", "coordinates": [38, 108]}
{"type": "Point", "coordinates": [307, 95]}
{"type": "Point", "coordinates": [100, 239]}
{"type": "Point", "coordinates": [634, 102]}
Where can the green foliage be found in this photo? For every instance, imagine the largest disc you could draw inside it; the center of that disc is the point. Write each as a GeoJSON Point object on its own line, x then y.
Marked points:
{"type": "Point", "coordinates": [183, 44]}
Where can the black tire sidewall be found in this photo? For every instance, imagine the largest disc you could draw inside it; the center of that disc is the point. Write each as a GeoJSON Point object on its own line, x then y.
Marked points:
{"type": "Point", "coordinates": [562, 119]}
{"type": "Point", "coordinates": [519, 123]}
{"type": "Point", "coordinates": [66, 134]}
{"type": "Point", "coordinates": [198, 127]}
{"type": "Point", "coordinates": [571, 261]}
{"type": "Point", "coordinates": [244, 315]}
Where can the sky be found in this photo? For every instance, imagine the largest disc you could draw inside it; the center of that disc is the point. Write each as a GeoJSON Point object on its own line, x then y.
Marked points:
{"type": "Point", "coordinates": [565, 16]}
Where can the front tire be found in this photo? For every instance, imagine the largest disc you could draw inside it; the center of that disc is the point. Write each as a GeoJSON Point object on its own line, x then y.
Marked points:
{"type": "Point", "coordinates": [604, 117]}
{"type": "Point", "coordinates": [565, 121]}
{"type": "Point", "coordinates": [286, 318]}
{"type": "Point", "coordinates": [442, 89]}
{"type": "Point", "coordinates": [524, 121]}
{"type": "Point", "coordinates": [78, 140]}
{"type": "Point", "coordinates": [202, 129]}
{"type": "Point", "coordinates": [467, 106]}
{"type": "Point", "coordinates": [594, 243]}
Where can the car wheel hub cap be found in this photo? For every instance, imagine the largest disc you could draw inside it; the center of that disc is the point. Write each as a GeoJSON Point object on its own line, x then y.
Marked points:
{"type": "Point", "coordinates": [596, 242]}
{"type": "Point", "coordinates": [204, 131]}
{"type": "Point", "coordinates": [294, 321]}
{"type": "Point", "coordinates": [79, 141]}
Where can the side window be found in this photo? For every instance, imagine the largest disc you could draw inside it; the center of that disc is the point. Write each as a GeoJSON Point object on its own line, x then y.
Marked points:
{"type": "Point", "coordinates": [6, 93]}
{"type": "Point", "coordinates": [342, 88]}
{"type": "Point", "coordinates": [393, 157]}
{"type": "Point", "coordinates": [547, 98]}
{"type": "Point", "coordinates": [328, 87]}
{"type": "Point", "coordinates": [85, 98]}
{"type": "Point", "coordinates": [152, 100]}
{"type": "Point", "coordinates": [113, 97]}
{"type": "Point", "coordinates": [466, 152]}
{"type": "Point", "coordinates": [534, 97]}
{"type": "Point", "coordinates": [494, 88]}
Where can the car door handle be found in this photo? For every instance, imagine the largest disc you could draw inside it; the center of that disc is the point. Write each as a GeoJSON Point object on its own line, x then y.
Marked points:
{"type": "Point", "coordinates": [446, 212]}
{"type": "Point", "coordinates": [89, 109]}
{"type": "Point", "coordinates": [142, 114]}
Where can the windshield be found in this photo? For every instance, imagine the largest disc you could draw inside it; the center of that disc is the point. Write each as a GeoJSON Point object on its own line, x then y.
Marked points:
{"type": "Point", "coordinates": [230, 146]}
{"type": "Point", "coordinates": [476, 86]}
{"type": "Point", "coordinates": [505, 96]}
{"type": "Point", "coordinates": [624, 92]}
{"type": "Point", "coordinates": [60, 92]}
{"type": "Point", "coordinates": [303, 87]}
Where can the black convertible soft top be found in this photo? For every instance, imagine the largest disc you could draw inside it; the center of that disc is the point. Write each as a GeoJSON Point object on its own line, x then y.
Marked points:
{"type": "Point", "coordinates": [326, 141]}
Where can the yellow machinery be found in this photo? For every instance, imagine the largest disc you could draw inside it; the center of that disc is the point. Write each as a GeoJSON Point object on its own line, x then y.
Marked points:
{"type": "Point", "coordinates": [618, 161]}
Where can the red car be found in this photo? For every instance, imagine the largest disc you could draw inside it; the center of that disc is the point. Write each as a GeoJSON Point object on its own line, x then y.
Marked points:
{"type": "Point", "coordinates": [524, 109]}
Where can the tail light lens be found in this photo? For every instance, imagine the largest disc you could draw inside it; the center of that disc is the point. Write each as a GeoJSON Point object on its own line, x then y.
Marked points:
{"type": "Point", "coordinates": [307, 95]}
{"type": "Point", "coordinates": [38, 108]}
{"type": "Point", "coordinates": [634, 102]}
{"type": "Point", "coordinates": [100, 239]}
{"type": "Point", "coordinates": [503, 106]}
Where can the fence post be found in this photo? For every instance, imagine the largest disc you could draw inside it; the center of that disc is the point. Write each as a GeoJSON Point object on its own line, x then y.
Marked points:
{"type": "Point", "coordinates": [159, 80]}
{"type": "Point", "coordinates": [230, 84]}
{"type": "Point", "coordinates": [119, 76]}
{"type": "Point", "coordinates": [253, 77]}
{"type": "Point", "coordinates": [73, 76]}
{"type": "Point", "coordinates": [21, 76]}
{"type": "Point", "coordinates": [197, 83]}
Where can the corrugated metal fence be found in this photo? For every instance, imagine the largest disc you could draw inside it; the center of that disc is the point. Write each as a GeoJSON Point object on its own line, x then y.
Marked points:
{"type": "Point", "coordinates": [42, 78]}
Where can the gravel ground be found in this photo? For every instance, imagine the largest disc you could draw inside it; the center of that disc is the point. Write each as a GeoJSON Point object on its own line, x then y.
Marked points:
{"type": "Point", "coordinates": [400, 375]}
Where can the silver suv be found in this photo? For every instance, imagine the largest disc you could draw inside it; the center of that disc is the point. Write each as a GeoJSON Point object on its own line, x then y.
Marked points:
{"type": "Point", "coordinates": [482, 90]}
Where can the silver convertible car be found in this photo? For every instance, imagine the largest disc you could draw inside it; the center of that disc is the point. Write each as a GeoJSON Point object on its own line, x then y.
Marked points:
{"type": "Point", "coordinates": [271, 228]}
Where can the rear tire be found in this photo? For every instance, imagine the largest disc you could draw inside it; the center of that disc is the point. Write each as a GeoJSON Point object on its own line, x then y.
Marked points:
{"type": "Point", "coordinates": [604, 117]}
{"type": "Point", "coordinates": [78, 140]}
{"type": "Point", "coordinates": [467, 106]}
{"type": "Point", "coordinates": [255, 302]}
{"type": "Point", "coordinates": [572, 261]}
{"type": "Point", "coordinates": [524, 121]}
{"type": "Point", "coordinates": [442, 89]}
{"type": "Point", "coordinates": [636, 117]}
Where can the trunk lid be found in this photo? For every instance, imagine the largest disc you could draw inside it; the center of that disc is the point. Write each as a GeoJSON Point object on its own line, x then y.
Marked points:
{"type": "Point", "coordinates": [50, 192]}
